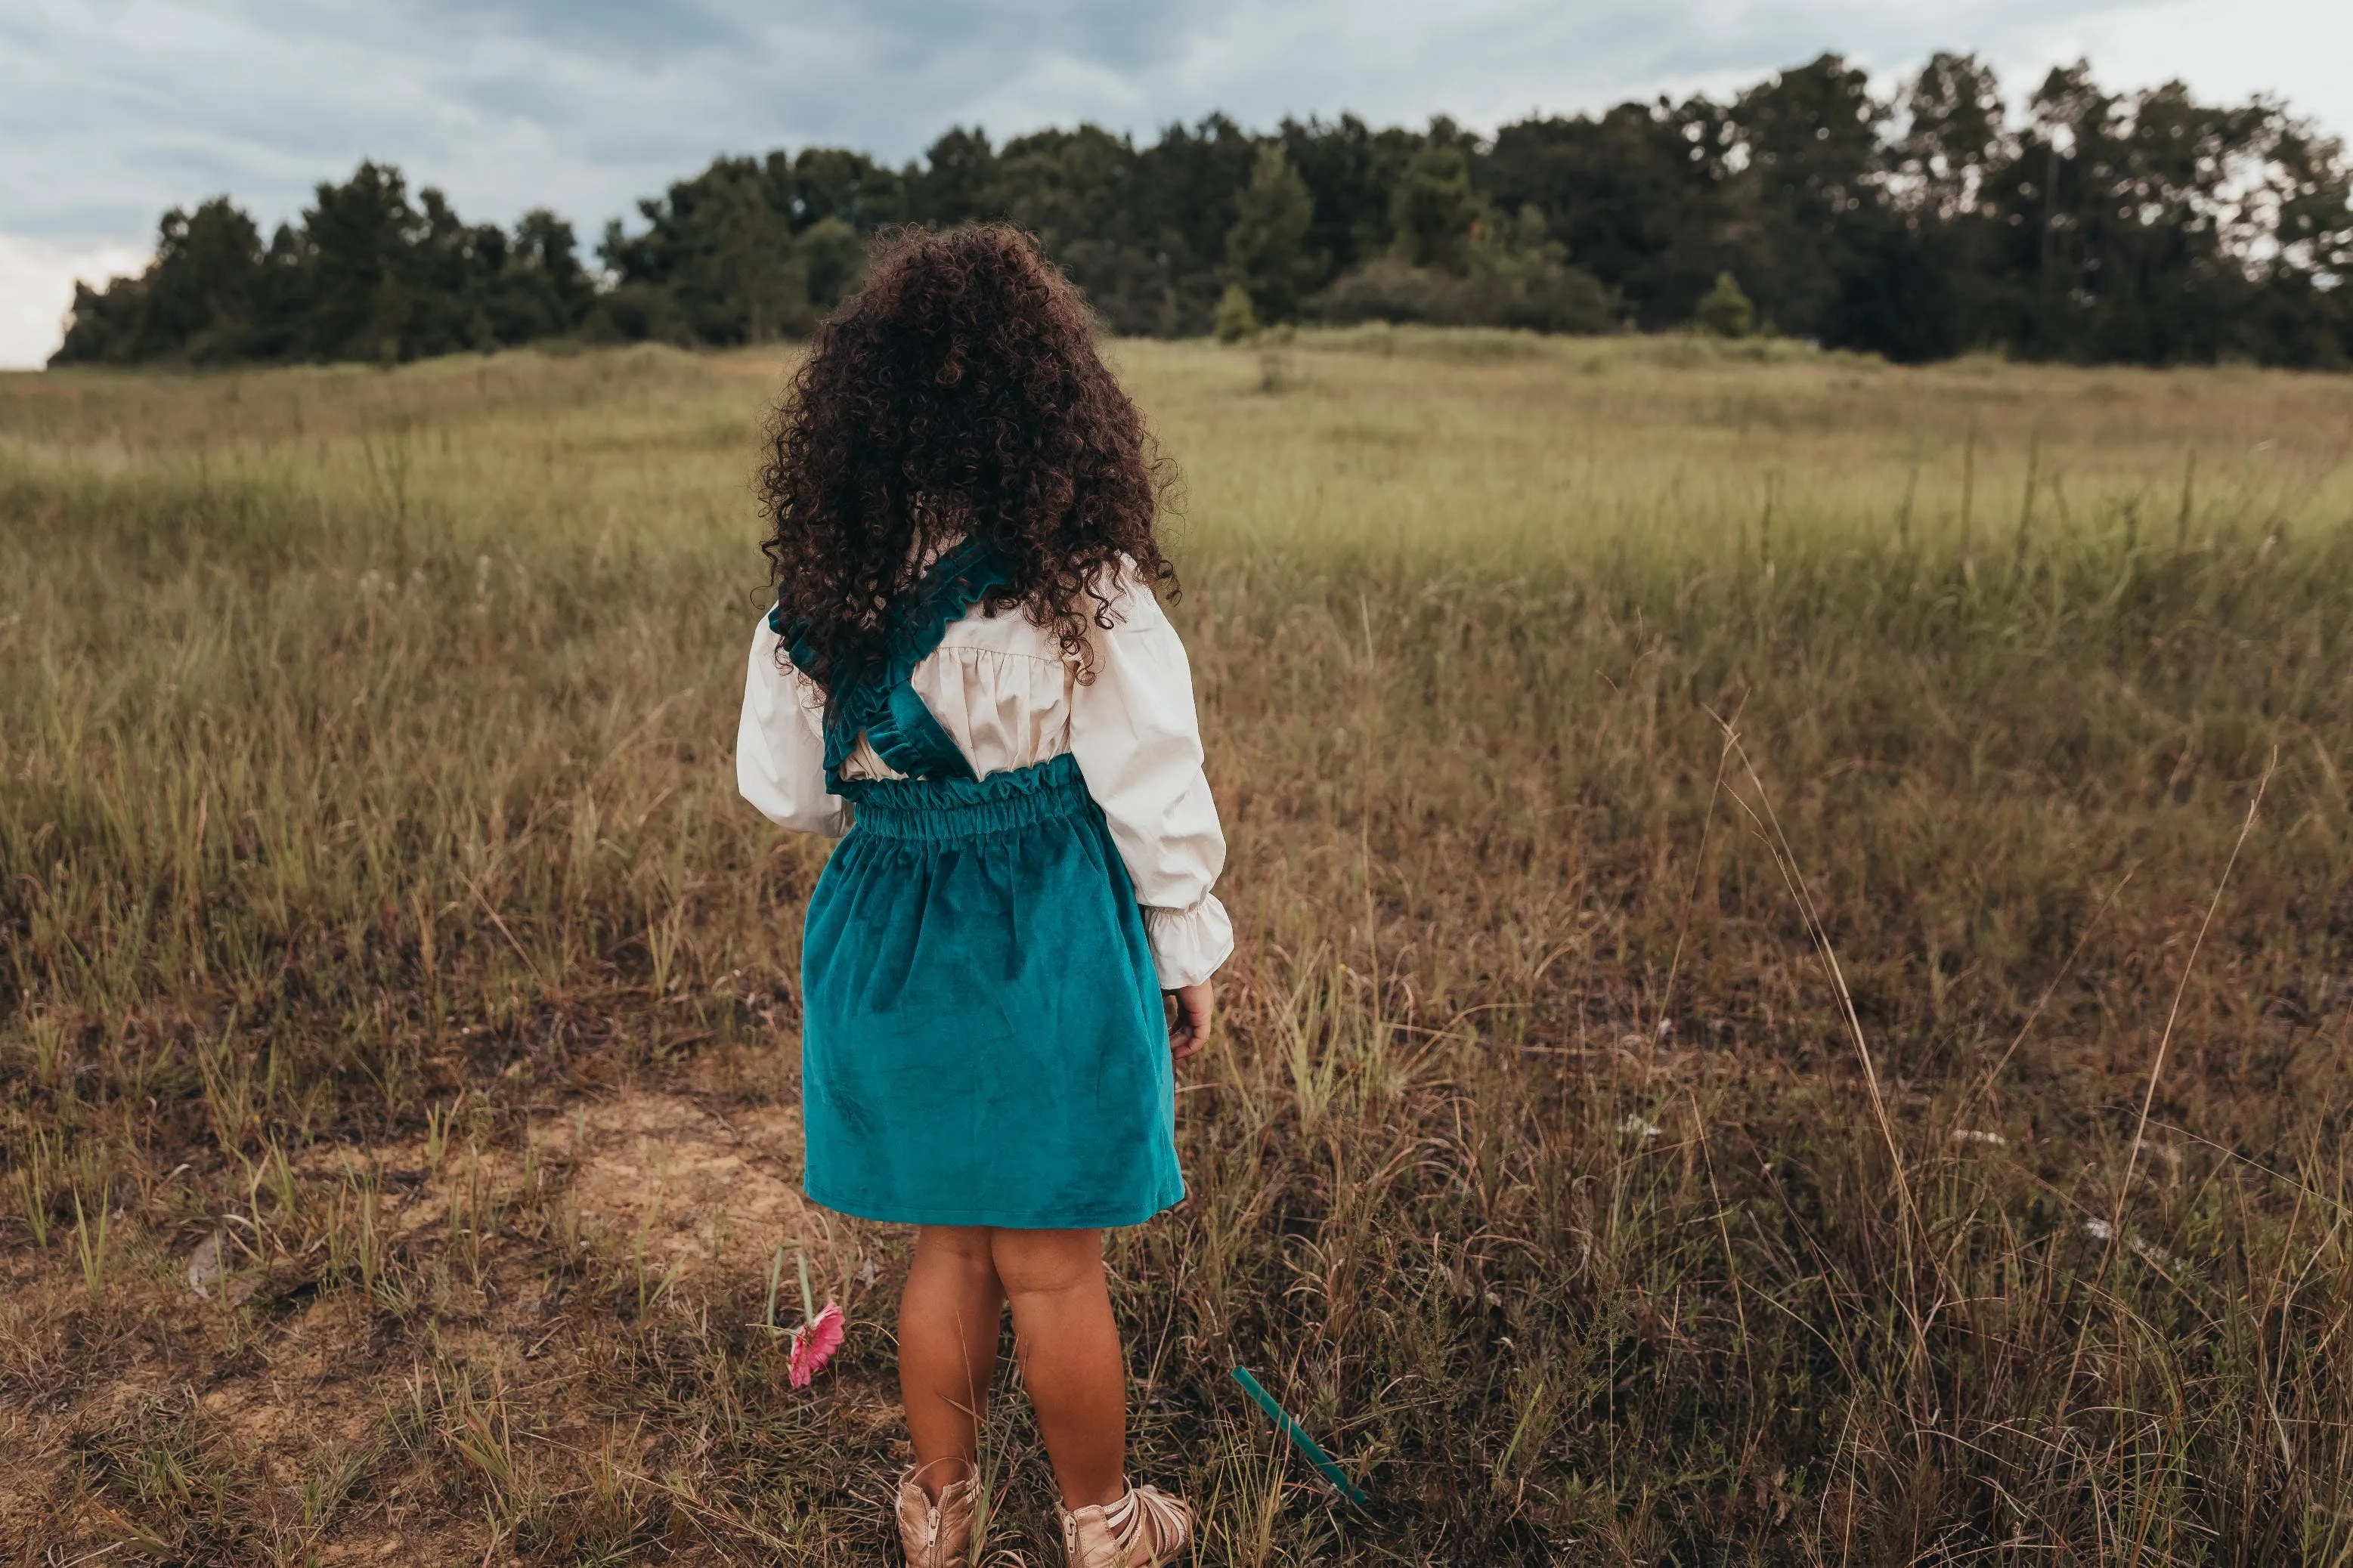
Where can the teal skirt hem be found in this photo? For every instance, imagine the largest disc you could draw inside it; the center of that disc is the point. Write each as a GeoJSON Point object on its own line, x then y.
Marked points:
{"type": "Point", "coordinates": [1121, 1219]}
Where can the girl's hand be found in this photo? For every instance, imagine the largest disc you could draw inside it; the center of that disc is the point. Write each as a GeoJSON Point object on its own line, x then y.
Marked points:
{"type": "Point", "coordinates": [1190, 1028]}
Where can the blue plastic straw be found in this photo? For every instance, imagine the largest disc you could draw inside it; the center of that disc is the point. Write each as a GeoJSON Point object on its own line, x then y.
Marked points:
{"type": "Point", "coordinates": [1299, 1437]}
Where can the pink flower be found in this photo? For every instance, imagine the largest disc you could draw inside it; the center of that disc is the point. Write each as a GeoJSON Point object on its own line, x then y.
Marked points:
{"type": "Point", "coordinates": [814, 1343]}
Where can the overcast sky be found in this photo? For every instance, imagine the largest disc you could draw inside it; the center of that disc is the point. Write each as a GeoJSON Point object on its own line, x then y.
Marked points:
{"type": "Point", "coordinates": [113, 109]}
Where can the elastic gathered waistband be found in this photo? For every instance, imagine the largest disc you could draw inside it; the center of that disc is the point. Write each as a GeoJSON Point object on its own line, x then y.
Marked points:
{"type": "Point", "coordinates": [941, 809]}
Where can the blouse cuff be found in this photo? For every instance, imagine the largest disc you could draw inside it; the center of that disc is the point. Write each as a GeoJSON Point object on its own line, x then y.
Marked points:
{"type": "Point", "coordinates": [1188, 944]}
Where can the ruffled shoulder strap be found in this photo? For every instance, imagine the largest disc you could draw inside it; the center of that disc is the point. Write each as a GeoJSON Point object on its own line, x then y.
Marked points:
{"type": "Point", "coordinates": [958, 580]}
{"type": "Point", "coordinates": [884, 708]}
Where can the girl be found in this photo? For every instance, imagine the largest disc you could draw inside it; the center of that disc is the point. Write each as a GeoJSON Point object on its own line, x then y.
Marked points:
{"type": "Point", "coordinates": [967, 669]}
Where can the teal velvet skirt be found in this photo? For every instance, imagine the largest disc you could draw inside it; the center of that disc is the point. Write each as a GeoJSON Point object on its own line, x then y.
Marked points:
{"type": "Point", "coordinates": [982, 1039]}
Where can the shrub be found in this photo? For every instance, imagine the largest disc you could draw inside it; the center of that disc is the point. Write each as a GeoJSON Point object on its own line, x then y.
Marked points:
{"type": "Point", "coordinates": [1537, 293]}
{"type": "Point", "coordinates": [1513, 274]}
{"type": "Point", "coordinates": [638, 313]}
{"type": "Point", "coordinates": [1725, 311]}
{"type": "Point", "coordinates": [1236, 318]}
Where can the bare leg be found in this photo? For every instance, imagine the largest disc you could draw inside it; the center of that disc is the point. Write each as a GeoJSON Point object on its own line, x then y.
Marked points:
{"type": "Point", "coordinates": [948, 1349]}
{"type": "Point", "coordinates": [1071, 1360]}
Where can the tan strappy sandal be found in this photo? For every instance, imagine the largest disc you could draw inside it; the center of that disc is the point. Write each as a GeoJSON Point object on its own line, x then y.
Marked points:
{"type": "Point", "coordinates": [1143, 1529]}
{"type": "Point", "coordinates": [936, 1534]}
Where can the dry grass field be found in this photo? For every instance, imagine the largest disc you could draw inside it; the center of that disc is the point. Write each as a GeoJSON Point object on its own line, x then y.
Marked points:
{"type": "Point", "coordinates": [1769, 1026]}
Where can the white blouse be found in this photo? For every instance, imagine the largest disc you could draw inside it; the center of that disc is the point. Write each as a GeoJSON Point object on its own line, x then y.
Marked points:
{"type": "Point", "coordinates": [1002, 689]}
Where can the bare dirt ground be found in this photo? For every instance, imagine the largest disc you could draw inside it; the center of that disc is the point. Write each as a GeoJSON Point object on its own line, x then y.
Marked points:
{"type": "Point", "coordinates": [288, 1392]}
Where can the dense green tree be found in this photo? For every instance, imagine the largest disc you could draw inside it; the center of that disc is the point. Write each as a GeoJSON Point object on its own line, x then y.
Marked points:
{"type": "Point", "coordinates": [358, 233]}
{"type": "Point", "coordinates": [833, 260]}
{"type": "Point", "coordinates": [367, 275]}
{"type": "Point", "coordinates": [1187, 185]}
{"type": "Point", "coordinates": [1072, 189]}
{"type": "Point", "coordinates": [1638, 196]}
{"type": "Point", "coordinates": [1954, 134]}
{"type": "Point", "coordinates": [2146, 227]}
{"type": "Point", "coordinates": [540, 290]}
{"type": "Point", "coordinates": [834, 183]}
{"type": "Point", "coordinates": [1141, 231]}
{"type": "Point", "coordinates": [1433, 211]}
{"type": "Point", "coordinates": [1811, 182]}
{"type": "Point", "coordinates": [720, 248]}
{"type": "Point", "coordinates": [210, 284]}
{"type": "Point", "coordinates": [198, 301]}
{"type": "Point", "coordinates": [956, 183]}
{"type": "Point", "coordinates": [1266, 249]}
{"type": "Point", "coordinates": [1349, 170]}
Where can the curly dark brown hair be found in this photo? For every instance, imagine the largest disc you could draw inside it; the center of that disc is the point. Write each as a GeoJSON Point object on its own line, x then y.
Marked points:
{"type": "Point", "coordinates": [959, 393]}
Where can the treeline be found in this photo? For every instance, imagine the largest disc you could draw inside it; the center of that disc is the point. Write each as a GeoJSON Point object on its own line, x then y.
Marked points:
{"type": "Point", "coordinates": [2144, 227]}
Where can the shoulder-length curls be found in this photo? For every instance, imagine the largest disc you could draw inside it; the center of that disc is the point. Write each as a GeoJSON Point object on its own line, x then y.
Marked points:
{"type": "Point", "coordinates": [958, 395]}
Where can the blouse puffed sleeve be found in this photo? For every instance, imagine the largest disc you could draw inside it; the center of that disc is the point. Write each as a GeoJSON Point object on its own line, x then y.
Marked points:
{"type": "Point", "coordinates": [780, 745]}
{"type": "Point", "coordinates": [1138, 741]}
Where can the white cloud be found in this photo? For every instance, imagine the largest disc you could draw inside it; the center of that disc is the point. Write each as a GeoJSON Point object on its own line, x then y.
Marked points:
{"type": "Point", "coordinates": [2226, 49]}
{"type": "Point", "coordinates": [36, 285]}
